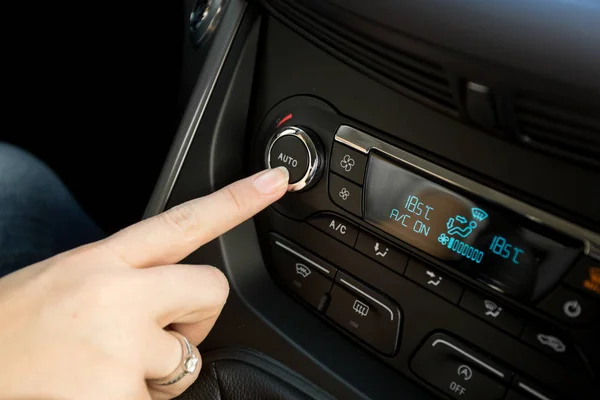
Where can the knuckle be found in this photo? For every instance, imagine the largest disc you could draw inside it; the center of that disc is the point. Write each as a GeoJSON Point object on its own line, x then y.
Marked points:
{"type": "Point", "coordinates": [221, 280]}
{"type": "Point", "coordinates": [183, 217]}
{"type": "Point", "coordinates": [234, 198]}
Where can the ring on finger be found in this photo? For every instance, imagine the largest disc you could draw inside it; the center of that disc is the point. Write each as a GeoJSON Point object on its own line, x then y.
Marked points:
{"type": "Point", "coordinates": [188, 364]}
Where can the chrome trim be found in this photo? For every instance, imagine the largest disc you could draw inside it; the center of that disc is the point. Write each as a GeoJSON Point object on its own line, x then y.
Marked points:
{"type": "Point", "coordinates": [470, 357]}
{"type": "Point", "coordinates": [207, 79]}
{"type": "Point", "coordinates": [364, 143]}
{"type": "Point", "coordinates": [314, 160]}
{"type": "Point", "coordinates": [351, 286]}
{"type": "Point", "coordinates": [311, 262]}
{"type": "Point", "coordinates": [533, 392]}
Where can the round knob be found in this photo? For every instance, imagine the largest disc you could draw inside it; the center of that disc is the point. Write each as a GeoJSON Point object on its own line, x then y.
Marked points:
{"type": "Point", "coordinates": [293, 148]}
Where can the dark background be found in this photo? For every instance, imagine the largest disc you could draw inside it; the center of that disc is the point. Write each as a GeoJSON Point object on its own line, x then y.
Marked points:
{"type": "Point", "coordinates": [91, 88]}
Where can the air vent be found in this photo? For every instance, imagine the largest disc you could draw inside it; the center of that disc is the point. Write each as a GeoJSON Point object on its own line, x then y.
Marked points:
{"type": "Point", "coordinates": [420, 79]}
{"type": "Point", "coordinates": [574, 135]}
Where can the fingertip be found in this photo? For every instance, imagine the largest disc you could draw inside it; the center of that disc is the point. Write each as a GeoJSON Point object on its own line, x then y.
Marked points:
{"type": "Point", "coordinates": [272, 181]}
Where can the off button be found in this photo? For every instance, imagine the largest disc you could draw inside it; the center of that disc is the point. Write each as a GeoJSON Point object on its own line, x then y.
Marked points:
{"type": "Point", "coordinates": [294, 149]}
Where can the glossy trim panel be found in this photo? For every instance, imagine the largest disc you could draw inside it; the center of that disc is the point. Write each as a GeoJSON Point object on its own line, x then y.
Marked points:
{"type": "Point", "coordinates": [364, 143]}
{"type": "Point", "coordinates": [195, 110]}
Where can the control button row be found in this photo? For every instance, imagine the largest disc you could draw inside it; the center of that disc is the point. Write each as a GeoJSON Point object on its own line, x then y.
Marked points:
{"type": "Point", "coordinates": [387, 254]}
{"type": "Point", "coordinates": [355, 307]}
{"type": "Point", "coordinates": [563, 303]}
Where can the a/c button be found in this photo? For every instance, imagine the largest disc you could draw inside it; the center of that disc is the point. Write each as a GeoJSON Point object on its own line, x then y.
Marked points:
{"type": "Point", "coordinates": [335, 226]}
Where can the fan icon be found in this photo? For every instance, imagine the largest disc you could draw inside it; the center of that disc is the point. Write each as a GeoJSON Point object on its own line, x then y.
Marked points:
{"type": "Point", "coordinates": [347, 163]}
{"type": "Point", "coordinates": [344, 193]}
{"type": "Point", "coordinates": [443, 239]}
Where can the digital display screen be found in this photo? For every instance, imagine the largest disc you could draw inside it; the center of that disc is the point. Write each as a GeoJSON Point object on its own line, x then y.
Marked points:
{"type": "Point", "coordinates": [486, 242]}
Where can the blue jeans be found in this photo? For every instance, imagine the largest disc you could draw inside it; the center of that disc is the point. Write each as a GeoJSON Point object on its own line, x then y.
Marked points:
{"type": "Point", "coordinates": [39, 218]}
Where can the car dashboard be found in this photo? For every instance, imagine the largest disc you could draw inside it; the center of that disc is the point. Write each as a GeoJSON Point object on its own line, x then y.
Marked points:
{"type": "Point", "coordinates": [441, 233]}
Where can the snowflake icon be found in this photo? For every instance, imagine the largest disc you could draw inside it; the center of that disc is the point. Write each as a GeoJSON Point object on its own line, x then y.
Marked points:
{"type": "Point", "coordinates": [443, 239]}
{"type": "Point", "coordinates": [347, 163]}
{"type": "Point", "coordinates": [344, 194]}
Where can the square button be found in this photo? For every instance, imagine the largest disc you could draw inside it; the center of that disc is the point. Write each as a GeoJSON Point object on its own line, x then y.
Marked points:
{"type": "Point", "coordinates": [492, 312]}
{"type": "Point", "coordinates": [382, 252]}
{"type": "Point", "coordinates": [432, 280]}
{"type": "Point", "coordinates": [345, 194]}
{"type": "Point", "coordinates": [348, 163]}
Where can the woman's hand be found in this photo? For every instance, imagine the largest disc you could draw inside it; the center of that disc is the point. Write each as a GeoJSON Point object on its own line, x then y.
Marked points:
{"type": "Point", "coordinates": [90, 323]}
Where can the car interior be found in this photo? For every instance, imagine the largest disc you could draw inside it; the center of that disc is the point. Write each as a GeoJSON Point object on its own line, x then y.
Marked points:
{"type": "Point", "coordinates": [440, 237]}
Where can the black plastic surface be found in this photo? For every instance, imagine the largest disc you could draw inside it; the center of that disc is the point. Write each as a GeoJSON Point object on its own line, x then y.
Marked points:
{"type": "Point", "coordinates": [525, 174]}
{"type": "Point", "coordinates": [545, 38]}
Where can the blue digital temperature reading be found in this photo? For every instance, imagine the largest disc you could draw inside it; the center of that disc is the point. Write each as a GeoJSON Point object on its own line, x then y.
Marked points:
{"type": "Point", "coordinates": [415, 209]}
{"type": "Point", "coordinates": [501, 247]}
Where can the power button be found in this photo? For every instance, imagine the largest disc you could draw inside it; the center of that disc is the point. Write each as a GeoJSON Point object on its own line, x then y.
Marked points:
{"type": "Point", "coordinates": [571, 307]}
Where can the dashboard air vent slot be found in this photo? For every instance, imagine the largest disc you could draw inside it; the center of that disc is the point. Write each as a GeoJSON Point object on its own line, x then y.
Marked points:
{"type": "Point", "coordinates": [574, 135]}
{"type": "Point", "coordinates": [407, 73]}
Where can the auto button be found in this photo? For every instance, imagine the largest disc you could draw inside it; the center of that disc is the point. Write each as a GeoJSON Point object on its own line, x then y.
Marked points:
{"type": "Point", "coordinates": [296, 150]}
{"type": "Point", "coordinates": [458, 371]}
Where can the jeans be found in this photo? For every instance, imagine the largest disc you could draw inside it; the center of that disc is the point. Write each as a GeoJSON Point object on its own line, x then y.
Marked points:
{"type": "Point", "coordinates": [39, 218]}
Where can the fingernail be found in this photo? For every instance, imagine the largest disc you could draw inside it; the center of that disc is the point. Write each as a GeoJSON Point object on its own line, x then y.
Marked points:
{"type": "Point", "coordinates": [271, 180]}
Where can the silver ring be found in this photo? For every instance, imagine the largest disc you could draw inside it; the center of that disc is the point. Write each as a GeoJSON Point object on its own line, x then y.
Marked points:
{"type": "Point", "coordinates": [188, 365]}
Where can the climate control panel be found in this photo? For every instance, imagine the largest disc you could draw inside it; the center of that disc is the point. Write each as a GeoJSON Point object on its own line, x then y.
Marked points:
{"type": "Point", "coordinates": [462, 286]}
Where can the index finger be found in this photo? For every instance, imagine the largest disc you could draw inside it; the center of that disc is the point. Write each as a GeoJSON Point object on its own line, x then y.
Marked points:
{"type": "Point", "coordinates": [171, 236]}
